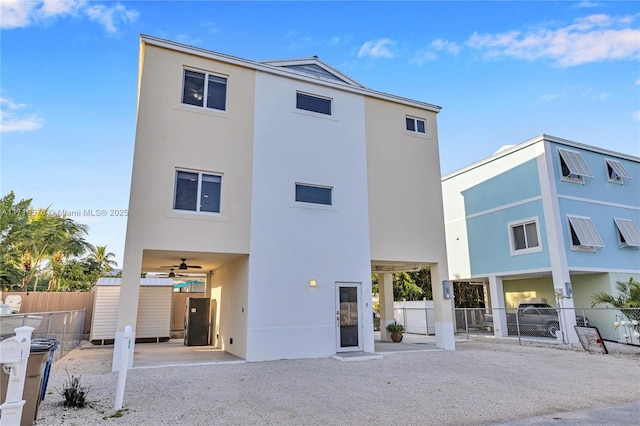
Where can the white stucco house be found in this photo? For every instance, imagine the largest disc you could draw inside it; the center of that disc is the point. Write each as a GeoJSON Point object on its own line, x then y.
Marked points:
{"type": "Point", "coordinates": [288, 183]}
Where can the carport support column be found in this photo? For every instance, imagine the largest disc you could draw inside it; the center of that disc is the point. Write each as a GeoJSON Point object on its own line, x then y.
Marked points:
{"type": "Point", "coordinates": [385, 284]}
{"type": "Point", "coordinates": [498, 308]}
{"type": "Point", "coordinates": [443, 309]}
{"type": "Point", "coordinates": [128, 303]}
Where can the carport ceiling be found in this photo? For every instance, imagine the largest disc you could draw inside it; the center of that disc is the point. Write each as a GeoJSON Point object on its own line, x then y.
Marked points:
{"type": "Point", "coordinates": [154, 260]}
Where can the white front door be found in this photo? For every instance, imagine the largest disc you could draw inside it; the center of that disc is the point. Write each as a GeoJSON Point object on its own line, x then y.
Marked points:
{"type": "Point", "coordinates": [348, 317]}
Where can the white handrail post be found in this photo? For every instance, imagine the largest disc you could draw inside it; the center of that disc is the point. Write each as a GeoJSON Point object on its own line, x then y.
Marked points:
{"type": "Point", "coordinates": [14, 353]}
{"type": "Point", "coordinates": [124, 366]}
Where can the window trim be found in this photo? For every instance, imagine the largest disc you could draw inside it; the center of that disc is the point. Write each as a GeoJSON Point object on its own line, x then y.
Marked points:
{"type": "Point", "coordinates": [575, 164]}
{"type": "Point", "coordinates": [627, 232]}
{"type": "Point", "coordinates": [523, 222]}
{"type": "Point", "coordinates": [198, 193]}
{"type": "Point", "coordinates": [206, 89]}
{"type": "Point", "coordinates": [415, 124]}
{"type": "Point", "coordinates": [323, 98]}
{"type": "Point", "coordinates": [309, 185]}
{"type": "Point", "coordinates": [615, 166]}
{"type": "Point", "coordinates": [586, 233]}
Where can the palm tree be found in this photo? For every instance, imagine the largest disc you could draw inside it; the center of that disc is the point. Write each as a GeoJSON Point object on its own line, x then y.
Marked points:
{"type": "Point", "coordinates": [628, 300]}
{"type": "Point", "coordinates": [103, 258]}
{"type": "Point", "coordinates": [46, 236]}
{"type": "Point", "coordinates": [13, 216]}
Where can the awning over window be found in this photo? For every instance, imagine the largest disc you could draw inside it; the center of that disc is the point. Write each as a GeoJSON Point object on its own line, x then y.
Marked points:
{"type": "Point", "coordinates": [629, 232]}
{"type": "Point", "coordinates": [618, 169]}
{"type": "Point", "coordinates": [575, 163]}
{"type": "Point", "coordinates": [585, 231]}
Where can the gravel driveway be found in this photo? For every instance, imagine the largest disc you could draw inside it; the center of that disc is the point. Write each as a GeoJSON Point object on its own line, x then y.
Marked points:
{"type": "Point", "coordinates": [482, 382]}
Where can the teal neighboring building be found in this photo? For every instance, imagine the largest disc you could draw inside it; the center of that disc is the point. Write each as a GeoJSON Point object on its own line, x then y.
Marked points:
{"type": "Point", "coordinates": [547, 218]}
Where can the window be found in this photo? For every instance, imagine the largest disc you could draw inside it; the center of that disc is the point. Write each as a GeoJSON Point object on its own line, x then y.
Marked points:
{"type": "Point", "coordinates": [416, 125]}
{"type": "Point", "coordinates": [616, 171]}
{"type": "Point", "coordinates": [197, 192]}
{"type": "Point", "coordinates": [584, 235]}
{"type": "Point", "coordinates": [313, 103]}
{"type": "Point", "coordinates": [573, 167]}
{"type": "Point", "coordinates": [313, 194]}
{"type": "Point", "coordinates": [525, 237]}
{"type": "Point", "coordinates": [195, 91]}
{"type": "Point", "coordinates": [628, 233]}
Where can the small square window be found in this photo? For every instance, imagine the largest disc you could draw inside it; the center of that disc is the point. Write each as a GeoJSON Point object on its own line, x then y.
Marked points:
{"type": "Point", "coordinates": [416, 125]}
{"type": "Point", "coordinates": [313, 194]}
{"type": "Point", "coordinates": [524, 236]}
{"type": "Point", "coordinates": [313, 103]}
{"type": "Point", "coordinates": [197, 192]}
{"type": "Point", "coordinates": [195, 91]}
{"type": "Point", "coordinates": [616, 172]}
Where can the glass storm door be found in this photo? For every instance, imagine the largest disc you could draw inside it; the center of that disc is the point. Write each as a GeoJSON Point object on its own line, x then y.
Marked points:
{"type": "Point", "coordinates": [348, 317]}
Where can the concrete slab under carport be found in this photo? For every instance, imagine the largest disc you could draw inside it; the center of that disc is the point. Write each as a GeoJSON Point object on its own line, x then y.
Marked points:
{"type": "Point", "coordinates": [174, 353]}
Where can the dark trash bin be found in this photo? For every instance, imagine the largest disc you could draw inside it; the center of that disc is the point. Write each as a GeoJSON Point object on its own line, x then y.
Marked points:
{"type": "Point", "coordinates": [38, 357]}
{"type": "Point", "coordinates": [47, 368]}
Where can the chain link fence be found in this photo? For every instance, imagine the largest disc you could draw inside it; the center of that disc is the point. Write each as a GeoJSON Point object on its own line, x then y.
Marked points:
{"type": "Point", "coordinates": [619, 329]}
{"type": "Point", "coordinates": [64, 326]}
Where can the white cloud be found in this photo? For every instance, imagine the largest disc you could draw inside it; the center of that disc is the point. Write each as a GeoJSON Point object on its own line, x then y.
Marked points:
{"type": "Point", "coordinates": [594, 38]}
{"type": "Point", "coordinates": [638, 82]}
{"type": "Point", "coordinates": [341, 40]}
{"type": "Point", "coordinates": [586, 4]}
{"type": "Point", "coordinates": [548, 97]}
{"type": "Point", "coordinates": [23, 13]}
{"type": "Point", "coordinates": [12, 121]}
{"type": "Point", "coordinates": [382, 48]}
{"type": "Point", "coordinates": [444, 45]}
{"type": "Point", "coordinates": [108, 17]}
{"type": "Point", "coordinates": [16, 13]}
{"type": "Point", "coordinates": [187, 39]}
{"type": "Point", "coordinates": [602, 96]}
{"type": "Point", "coordinates": [431, 52]}
{"type": "Point", "coordinates": [636, 115]}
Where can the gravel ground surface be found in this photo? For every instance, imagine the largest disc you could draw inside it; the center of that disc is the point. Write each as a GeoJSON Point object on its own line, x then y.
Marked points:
{"type": "Point", "coordinates": [482, 382]}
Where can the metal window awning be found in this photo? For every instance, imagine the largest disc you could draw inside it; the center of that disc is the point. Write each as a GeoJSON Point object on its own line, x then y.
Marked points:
{"type": "Point", "coordinates": [629, 231]}
{"type": "Point", "coordinates": [575, 163]}
{"type": "Point", "coordinates": [618, 169]}
{"type": "Point", "coordinates": [585, 231]}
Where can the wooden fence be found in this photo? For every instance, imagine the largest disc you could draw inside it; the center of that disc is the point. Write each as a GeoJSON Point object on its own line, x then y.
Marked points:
{"type": "Point", "coordinates": [178, 304]}
{"type": "Point", "coordinates": [64, 301]}
{"type": "Point", "coordinates": [41, 301]}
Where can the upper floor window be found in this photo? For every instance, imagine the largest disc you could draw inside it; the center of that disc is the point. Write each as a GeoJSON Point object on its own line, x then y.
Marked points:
{"type": "Point", "coordinates": [416, 125]}
{"type": "Point", "coordinates": [572, 166]}
{"type": "Point", "coordinates": [197, 192]}
{"type": "Point", "coordinates": [313, 103]}
{"type": "Point", "coordinates": [204, 89]}
{"type": "Point", "coordinates": [628, 233]}
{"type": "Point", "coordinates": [616, 171]}
{"type": "Point", "coordinates": [524, 236]}
{"type": "Point", "coordinates": [314, 194]}
{"type": "Point", "coordinates": [584, 235]}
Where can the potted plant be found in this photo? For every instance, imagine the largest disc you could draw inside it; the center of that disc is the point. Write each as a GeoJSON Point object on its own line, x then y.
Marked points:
{"type": "Point", "coordinates": [396, 331]}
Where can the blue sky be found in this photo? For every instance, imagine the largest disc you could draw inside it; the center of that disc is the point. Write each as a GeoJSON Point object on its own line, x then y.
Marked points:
{"type": "Point", "coordinates": [503, 72]}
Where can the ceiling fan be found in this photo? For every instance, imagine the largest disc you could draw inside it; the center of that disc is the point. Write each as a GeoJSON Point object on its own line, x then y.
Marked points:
{"type": "Point", "coordinates": [171, 274]}
{"type": "Point", "coordinates": [182, 266]}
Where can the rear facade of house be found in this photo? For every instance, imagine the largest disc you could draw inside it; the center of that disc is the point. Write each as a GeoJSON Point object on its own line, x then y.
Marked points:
{"type": "Point", "coordinates": [287, 183]}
